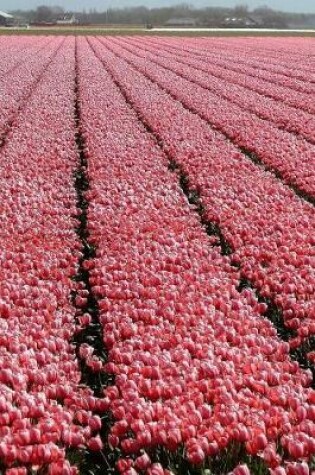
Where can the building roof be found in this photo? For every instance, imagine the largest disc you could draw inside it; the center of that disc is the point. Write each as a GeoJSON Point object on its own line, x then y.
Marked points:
{"type": "Point", "coordinates": [181, 21]}
{"type": "Point", "coordinates": [5, 15]}
{"type": "Point", "coordinates": [67, 17]}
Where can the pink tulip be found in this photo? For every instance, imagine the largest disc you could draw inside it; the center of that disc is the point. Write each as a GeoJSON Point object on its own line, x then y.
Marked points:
{"type": "Point", "coordinates": [95, 444]}
{"type": "Point", "coordinates": [124, 464]}
{"type": "Point", "coordinates": [155, 469]}
{"type": "Point", "coordinates": [196, 456]}
{"type": "Point", "coordinates": [241, 470]}
{"type": "Point", "coordinates": [142, 462]}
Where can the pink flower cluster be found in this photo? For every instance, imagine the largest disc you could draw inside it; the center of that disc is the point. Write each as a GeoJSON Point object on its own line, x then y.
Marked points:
{"type": "Point", "coordinates": [18, 50]}
{"type": "Point", "coordinates": [289, 56]}
{"type": "Point", "coordinates": [261, 68]}
{"type": "Point", "coordinates": [270, 229]}
{"type": "Point", "coordinates": [43, 409]}
{"type": "Point", "coordinates": [196, 364]}
{"type": "Point", "coordinates": [198, 368]}
{"type": "Point", "coordinates": [293, 157]}
{"type": "Point", "coordinates": [18, 83]}
{"type": "Point", "coordinates": [253, 77]}
{"type": "Point", "coordinates": [209, 76]}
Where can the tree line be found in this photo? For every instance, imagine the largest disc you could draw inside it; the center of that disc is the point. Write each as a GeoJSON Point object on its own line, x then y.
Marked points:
{"type": "Point", "coordinates": [211, 16]}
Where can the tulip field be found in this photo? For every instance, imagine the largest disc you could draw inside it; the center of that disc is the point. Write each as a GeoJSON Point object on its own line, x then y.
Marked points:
{"type": "Point", "coordinates": [157, 293]}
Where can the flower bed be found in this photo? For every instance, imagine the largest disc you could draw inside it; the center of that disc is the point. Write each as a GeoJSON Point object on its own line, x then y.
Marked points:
{"type": "Point", "coordinates": [269, 229]}
{"type": "Point", "coordinates": [205, 74]}
{"type": "Point", "coordinates": [157, 286]}
{"type": "Point", "coordinates": [192, 356]}
{"type": "Point", "coordinates": [283, 152]}
{"type": "Point", "coordinates": [40, 393]}
{"type": "Point", "coordinates": [18, 85]}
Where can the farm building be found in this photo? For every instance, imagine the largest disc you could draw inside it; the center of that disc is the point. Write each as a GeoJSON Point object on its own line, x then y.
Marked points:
{"type": "Point", "coordinates": [243, 22]}
{"type": "Point", "coordinates": [181, 22]}
{"type": "Point", "coordinates": [6, 19]}
{"type": "Point", "coordinates": [67, 20]}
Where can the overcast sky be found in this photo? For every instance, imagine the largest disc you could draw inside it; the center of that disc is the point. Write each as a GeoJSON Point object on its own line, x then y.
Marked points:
{"type": "Point", "coordinates": [285, 5]}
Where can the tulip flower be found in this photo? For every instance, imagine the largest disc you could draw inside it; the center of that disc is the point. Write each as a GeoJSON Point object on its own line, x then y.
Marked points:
{"type": "Point", "coordinates": [95, 444]}
{"type": "Point", "coordinates": [241, 470]}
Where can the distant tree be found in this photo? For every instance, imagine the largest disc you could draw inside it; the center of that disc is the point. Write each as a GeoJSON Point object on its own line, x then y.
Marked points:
{"type": "Point", "coordinates": [43, 14]}
{"type": "Point", "coordinates": [84, 17]}
{"type": "Point", "coordinates": [183, 10]}
{"type": "Point", "coordinates": [57, 11]}
{"type": "Point", "coordinates": [210, 16]}
{"type": "Point", "coordinates": [271, 18]}
{"type": "Point", "coordinates": [214, 17]}
{"type": "Point", "coordinates": [26, 14]}
{"type": "Point", "coordinates": [240, 11]}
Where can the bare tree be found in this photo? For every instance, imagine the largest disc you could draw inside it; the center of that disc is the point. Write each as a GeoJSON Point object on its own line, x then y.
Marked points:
{"type": "Point", "coordinates": [43, 14]}
{"type": "Point", "coordinates": [240, 11]}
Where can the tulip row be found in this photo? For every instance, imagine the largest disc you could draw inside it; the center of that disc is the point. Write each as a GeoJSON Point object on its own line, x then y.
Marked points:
{"type": "Point", "coordinates": [236, 74]}
{"type": "Point", "coordinates": [270, 230]}
{"type": "Point", "coordinates": [18, 84]}
{"type": "Point", "coordinates": [196, 366]}
{"type": "Point", "coordinates": [43, 408]}
{"type": "Point", "coordinates": [204, 74]}
{"type": "Point", "coordinates": [267, 76]}
{"type": "Point", "coordinates": [294, 55]}
{"type": "Point", "coordinates": [15, 50]}
{"type": "Point", "coordinates": [292, 157]}
{"type": "Point", "coordinates": [250, 55]}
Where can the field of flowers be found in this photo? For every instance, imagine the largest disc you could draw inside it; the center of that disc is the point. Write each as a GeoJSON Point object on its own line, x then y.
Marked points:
{"type": "Point", "coordinates": [157, 286]}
